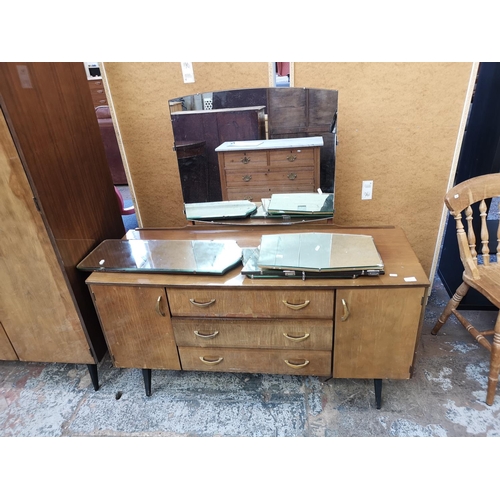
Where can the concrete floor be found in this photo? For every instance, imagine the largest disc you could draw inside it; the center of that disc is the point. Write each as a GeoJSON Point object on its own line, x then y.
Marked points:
{"type": "Point", "coordinates": [445, 397]}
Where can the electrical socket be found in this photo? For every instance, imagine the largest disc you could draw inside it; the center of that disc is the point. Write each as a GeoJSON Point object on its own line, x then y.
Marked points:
{"type": "Point", "coordinates": [367, 190]}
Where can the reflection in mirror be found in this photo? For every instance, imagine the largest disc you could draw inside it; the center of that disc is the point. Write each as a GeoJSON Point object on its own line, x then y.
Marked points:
{"type": "Point", "coordinates": [203, 122]}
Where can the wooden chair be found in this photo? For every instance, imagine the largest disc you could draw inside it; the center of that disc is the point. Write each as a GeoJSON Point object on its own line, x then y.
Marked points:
{"type": "Point", "coordinates": [481, 272]}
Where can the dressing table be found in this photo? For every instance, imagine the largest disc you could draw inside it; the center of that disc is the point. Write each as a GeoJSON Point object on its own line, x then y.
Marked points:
{"type": "Point", "coordinates": [366, 327]}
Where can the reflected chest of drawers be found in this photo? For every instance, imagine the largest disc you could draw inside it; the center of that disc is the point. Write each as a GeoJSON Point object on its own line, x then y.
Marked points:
{"type": "Point", "coordinates": [366, 327]}
{"type": "Point", "coordinates": [253, 170]}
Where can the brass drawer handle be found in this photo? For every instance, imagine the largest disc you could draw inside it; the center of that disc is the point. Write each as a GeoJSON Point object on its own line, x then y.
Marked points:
{"type": "Point", "coordinates": [208, 362]}
{"type": "Point", "coordinates": [291, 158]}
{"type": "Point", "coordinates": [247, 178]}
{"type": "Point", "coordinates": [158, 310]}
{"type": "Point", "coordinates": [245, 160]}
{"type": "Point", "coordinates": [248, 198]}
{"type": "Point", "coordinates": [296, 307]}
{"type": "Point", "coordinates": [296, 366]}
{"type": "Point", "coordinates": [296, 339]}
{"type": "Point", "coordinates": [206, 335]}
{"type": "Point", "coordinates": [201, 304]}
{"type": "Point", "coordinates": [292, 176]}
{"type": "Point", "coordinates": [346, 311]}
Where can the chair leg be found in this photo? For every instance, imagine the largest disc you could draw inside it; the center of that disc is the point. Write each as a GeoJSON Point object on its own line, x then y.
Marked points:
{"type": "Point", "coordinates": [494, 365]}
{"type": "Point", "coordinates": [452, 304]}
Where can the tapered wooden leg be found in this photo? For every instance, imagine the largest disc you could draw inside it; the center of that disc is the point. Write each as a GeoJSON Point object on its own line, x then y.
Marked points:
{"type": "Point", "coordinates": [378, 392]}
{"type": "Point", "coordinates": [146, 374]}
{"type": "Point", "coordinates": [94, 376]}
{"type": "Point", "coordinates": [494, 367]}
{"type": "Point", "coordinates": [452, 304]}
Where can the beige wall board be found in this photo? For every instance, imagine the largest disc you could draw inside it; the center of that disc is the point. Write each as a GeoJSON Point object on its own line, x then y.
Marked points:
{"type": "Point", "coordinates": [139, 96]}
{"type": "Point", "coordinates": [398, 125]}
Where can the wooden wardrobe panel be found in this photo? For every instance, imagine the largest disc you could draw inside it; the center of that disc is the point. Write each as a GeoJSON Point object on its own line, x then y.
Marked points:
{"type": "Point", "coordinates": [7, 353]}
{"type": "Point", "coordinates": [36, 309]}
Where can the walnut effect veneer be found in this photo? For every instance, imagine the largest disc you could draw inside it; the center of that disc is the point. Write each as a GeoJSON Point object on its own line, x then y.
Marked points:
{"type": "Point", "coordinates": [342, 328]}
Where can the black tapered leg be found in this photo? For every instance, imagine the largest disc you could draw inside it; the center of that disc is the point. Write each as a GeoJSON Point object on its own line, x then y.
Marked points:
{"type": "Point", "coordinates": [146, 374]}
{"type": "Point", "coordinates": [94, 376]}
{"type": "Point", "coordinates": [378, 392]}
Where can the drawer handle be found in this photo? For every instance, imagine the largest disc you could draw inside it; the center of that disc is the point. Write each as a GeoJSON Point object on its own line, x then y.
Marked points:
{"type": "Point", "coordinates": [291, 158]}
{"type": "Point", "coordinates": [245, 160]}
{"type": "Point", "coordinates": [292, 176]}
{"type": "Point", "coordinates": [346, 311]}
{"type": "Point", "coordinates": [296, 366]}
{"type": "Point", "coordinates": [158, 310]}
{"type": "Point", "coordinates": [296, 307]}
{"type": "Point", "coordinates": [296, 339]}
{"type": "Point", "coordinates": [208, 362]}
{"type": "Point", "coordinates": [248, 198]}
{"type": "Point", "coordinates": [206, 335]}
{"type": "Point", "coordinates": [201, 304]}
{"type": "Point", "coordinates": [247, 178]}
{"type": "Point", "coordinates": [100, 91]}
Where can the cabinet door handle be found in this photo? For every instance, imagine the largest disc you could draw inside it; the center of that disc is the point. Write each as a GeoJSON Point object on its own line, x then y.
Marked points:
{"type": "Point", "coordinates": [206, 335]}
{"type": "Point", "coordinates": [291, 158]}
{"type": "Point", "coordinates": [208, 362]}
{"type": "Point", "coordinates": [201, 304]}
{"type": "Point", "coordinates": [346, 311]}
{"type": "Point", "coordinates": [158, 310]}
{"type": "Point", "coordinates": [296, 307]}
{"type": "Point", "coordinates": [296, 366]}
{"type": "Point", "coordinates": [292, 176]}
{"type": "Point", "coordinates": [296, 339]}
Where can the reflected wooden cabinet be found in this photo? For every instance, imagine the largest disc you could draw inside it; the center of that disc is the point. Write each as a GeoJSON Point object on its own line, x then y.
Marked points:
{"type": "Point", "coordinates": [346, 328]}
{"type": "Point", "coordinates": [250, 171]}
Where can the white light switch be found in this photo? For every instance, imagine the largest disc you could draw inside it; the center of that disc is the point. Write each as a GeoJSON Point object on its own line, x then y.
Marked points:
{"type": "Point", "coordinates": [367, 190]}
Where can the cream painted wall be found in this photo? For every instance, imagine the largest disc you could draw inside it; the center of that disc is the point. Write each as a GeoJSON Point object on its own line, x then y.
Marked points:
{"type": "Point", "coordinates": [398, 125]}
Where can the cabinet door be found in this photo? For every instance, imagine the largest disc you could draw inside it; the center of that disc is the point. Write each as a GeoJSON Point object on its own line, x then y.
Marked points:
{"type": "Point", "coordinates": [376, 332]}
{"type": "Point", "coordinates": [137, 326]}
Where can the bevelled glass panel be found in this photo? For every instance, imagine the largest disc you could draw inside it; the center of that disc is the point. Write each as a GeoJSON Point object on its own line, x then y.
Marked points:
{"type": "Point", "coordinates": [164, 256]}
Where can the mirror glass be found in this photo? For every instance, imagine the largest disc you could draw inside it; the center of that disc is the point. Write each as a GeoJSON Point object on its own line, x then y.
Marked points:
{"type": "Point", "coordinates": [202, 122]}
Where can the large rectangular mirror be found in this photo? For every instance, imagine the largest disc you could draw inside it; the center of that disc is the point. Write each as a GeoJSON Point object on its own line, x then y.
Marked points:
{"type": "Point", "coordinates": [202, 122]}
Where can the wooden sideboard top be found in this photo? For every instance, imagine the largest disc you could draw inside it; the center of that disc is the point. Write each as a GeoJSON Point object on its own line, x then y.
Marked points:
{"type": "Point", "coordinates": [402, 267]}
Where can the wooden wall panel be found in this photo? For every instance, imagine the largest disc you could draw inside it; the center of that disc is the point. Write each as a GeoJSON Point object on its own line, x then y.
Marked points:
{"type": "Point", "coordinates": [139, 94]}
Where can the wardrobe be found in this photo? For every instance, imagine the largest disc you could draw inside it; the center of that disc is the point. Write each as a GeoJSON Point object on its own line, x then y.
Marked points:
{"type": "Point", "coordinates": [57, 203]}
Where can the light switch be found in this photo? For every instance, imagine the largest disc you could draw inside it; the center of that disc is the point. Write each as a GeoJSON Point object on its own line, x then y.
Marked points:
{"type": "Point", "coordinates": [367, 190]}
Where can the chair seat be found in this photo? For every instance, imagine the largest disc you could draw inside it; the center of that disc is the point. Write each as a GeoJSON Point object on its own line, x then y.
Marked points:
{"type": "Point", "coordinates": [488, 284]}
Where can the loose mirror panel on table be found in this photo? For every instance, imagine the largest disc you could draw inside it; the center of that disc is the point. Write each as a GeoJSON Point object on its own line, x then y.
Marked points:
{"type": "Point", "coordinates": [160, 256]}
{"type": "Point", "coordinates": [209, 119]}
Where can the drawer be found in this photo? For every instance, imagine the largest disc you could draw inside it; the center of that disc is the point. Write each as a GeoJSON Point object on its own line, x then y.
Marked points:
{"type": "Point", "coordinates": [296, 157]}
{"type": "Point", "coordinates": [291, 334]}
{"type": "Point", "coordinates": [99, 101]}
{"type": "Point", "coordinates": [276, 361]}
{"type": "Point", "coordinates": [210, 302]}
{"type": "Point", "coordinates": [98, 92]}
{"type": "Point", "coordinates": [240, 159]}
{"type": "Point", "coordinates": [287, 174]}
{"type": "Point", "coordinates": [95, 84]}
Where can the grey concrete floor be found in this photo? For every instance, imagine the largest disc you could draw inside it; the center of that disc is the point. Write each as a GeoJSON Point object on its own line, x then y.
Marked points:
{"type": "Point", "coordinates": [445, 397]}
